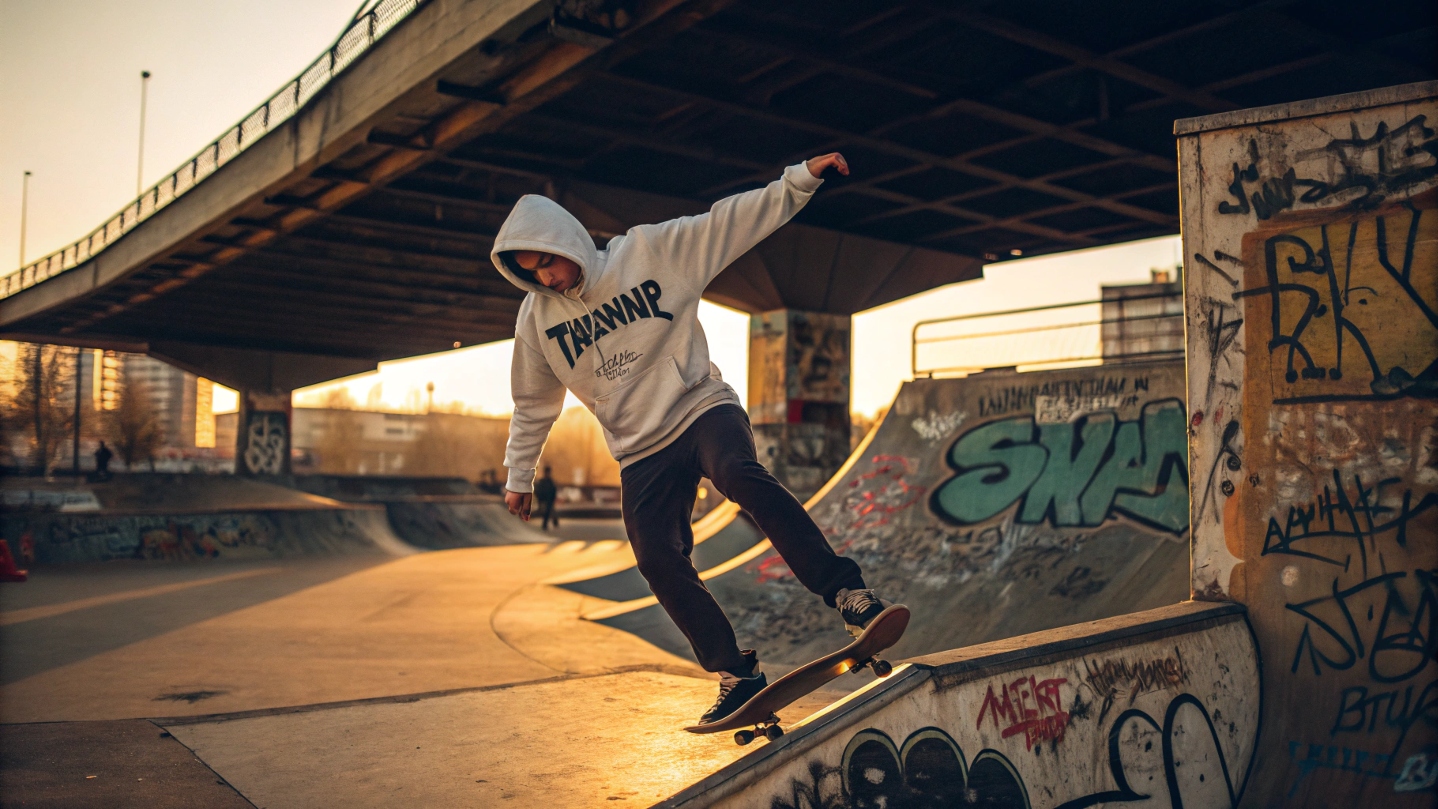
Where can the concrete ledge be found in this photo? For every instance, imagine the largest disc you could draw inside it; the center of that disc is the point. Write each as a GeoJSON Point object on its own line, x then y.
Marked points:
{"type": "Point", "coordinates": [1308, 107]}
{"type": "Point", "coordinates": [1037, 648]}
{"type": "Point", "coordinates": [903, 699]}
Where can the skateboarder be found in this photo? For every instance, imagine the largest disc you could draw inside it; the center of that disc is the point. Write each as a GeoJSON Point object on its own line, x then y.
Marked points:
{"type": "Point", "coordinates": [619, 328]}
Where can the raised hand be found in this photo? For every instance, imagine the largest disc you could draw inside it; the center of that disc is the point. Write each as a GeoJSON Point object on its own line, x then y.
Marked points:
{"type": "Point", "coordinates": [816, 165]}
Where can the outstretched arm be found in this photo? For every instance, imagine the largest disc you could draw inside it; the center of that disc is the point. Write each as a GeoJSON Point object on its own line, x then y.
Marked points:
{"type": "Point", "coordinates": [700, 247]}
{"type": "Point", "coordinates": [538, 399]}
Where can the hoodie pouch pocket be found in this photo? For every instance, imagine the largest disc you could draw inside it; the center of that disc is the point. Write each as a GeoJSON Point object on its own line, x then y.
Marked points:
{"type": "Point", "coordinates": [640, 409]}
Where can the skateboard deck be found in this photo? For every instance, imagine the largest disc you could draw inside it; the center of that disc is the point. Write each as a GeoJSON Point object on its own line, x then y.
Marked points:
{"type": "Point", "coordinates": [759, 712]}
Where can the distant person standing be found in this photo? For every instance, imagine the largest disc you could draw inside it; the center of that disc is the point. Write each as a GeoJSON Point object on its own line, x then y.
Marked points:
{"type": "Point", "coordinates": [545, 493]}
{"type": "Point", "coordinates": [102, 461]}
{"type": "Point", "coordinates": [489, 482]}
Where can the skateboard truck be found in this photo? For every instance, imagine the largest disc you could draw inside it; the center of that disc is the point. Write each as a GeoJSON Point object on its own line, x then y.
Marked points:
{"type": "Point", "coordinates": [769, 729]}
{"type": "Point", "coordinates": [881, 667]}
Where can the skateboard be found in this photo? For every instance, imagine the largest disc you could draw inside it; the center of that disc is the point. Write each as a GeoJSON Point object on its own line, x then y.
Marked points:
{"type": "Point", "coordinates": [759, 712]}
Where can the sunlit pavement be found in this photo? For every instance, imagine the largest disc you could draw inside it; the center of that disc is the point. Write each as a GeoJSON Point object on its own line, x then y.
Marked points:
{"type": "Point", "coordinates": [444, 678]}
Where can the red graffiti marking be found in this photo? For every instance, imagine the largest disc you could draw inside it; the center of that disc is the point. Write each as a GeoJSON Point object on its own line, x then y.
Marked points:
{"type": "Point", "coordinates": [772, 569]}
{"type": "Point", "coordinates": [1012, 714]}
{"type": "Point", "coordinates": [877, 503]}
{"type": "Point", "coordinates": [876, 496]}
{"type": "Point", "coordinates": [1197, 418]}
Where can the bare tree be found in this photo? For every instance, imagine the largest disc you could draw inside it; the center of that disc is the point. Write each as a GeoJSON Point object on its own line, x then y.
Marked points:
{"type": "Point", "coordinates": [134, 426]}
{"type": "Point", "coordinates": [37, 406]}
{"type": "Point", "coordinates": [577, 452]}
{"type": "Point", "coordinates": [338, 449]}
{"type": "Point", "coordinates": [454, 445]}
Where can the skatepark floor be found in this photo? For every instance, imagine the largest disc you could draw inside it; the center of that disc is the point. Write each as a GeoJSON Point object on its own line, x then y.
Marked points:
{"type": "Point", "coordinates": [443, 678]}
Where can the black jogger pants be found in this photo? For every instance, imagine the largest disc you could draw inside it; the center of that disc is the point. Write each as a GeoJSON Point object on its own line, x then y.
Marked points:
{"type": "Point", "coordinates": [658, 498]}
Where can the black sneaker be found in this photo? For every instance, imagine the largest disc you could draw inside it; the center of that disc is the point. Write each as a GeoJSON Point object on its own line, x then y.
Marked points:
{"type": "Point", "coordinates": [736, 689]}
{"type": "Point", "coordinates": [858, 609]}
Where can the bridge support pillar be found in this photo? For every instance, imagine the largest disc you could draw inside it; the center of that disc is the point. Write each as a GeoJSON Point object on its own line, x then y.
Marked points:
{"type": "Point", "coordinates": [799, 395]}
{"type": "Point", "coordinates": [262, 442]}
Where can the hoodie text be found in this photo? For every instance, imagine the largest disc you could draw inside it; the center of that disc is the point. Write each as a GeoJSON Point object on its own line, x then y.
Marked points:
{"type": "Point", "coordinates": [608, 316]}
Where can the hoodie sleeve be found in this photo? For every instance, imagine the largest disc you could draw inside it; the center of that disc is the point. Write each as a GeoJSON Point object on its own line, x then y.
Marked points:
{"type": "Point", "coordinates": [700, 247]}
{"type": "Point", "coordinates": [538, 399]}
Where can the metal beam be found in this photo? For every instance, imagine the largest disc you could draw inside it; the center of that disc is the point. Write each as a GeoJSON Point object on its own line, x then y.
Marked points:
{"type": "Point", "coordinates": [898, 150]}
{"type": "Point", "coordinates": [1083, 56]}
{"type": "Point", "coordinates": [399, 287]}
{"type": "Point", "coordinates": [335, 305]}
{"type": "Point", "coordinates": [298, 317]}
{"type": "Point", "coordinates": [398, 258]}
{"type": "Point", "coordinates": [410, 229]}
{"type": "Point", "coordinates": [1010, 222]}
{"type": "Point", "coordinates": [712, 156]}
{"type": "Point", "coordinates": [1164, 38]}
{"type": "Point", "coordinates": [970, 107]}
{"type": "Point", "coordinates": [980, 192]}
{"type": "Point", "coordinates": [445, 199]}
{"type": "Point", "coordinates": [482, 280]}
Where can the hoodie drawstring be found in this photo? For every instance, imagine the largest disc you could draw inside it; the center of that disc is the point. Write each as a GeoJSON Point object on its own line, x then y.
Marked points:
{"type": "Point", "coordinates": [593, 327]}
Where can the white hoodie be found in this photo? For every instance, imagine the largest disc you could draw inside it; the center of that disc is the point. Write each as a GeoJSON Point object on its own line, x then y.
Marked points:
{"type": "Point", "coordinates": [626, 339]}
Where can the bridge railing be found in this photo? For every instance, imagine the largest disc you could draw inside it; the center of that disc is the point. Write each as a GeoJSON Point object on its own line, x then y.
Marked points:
{"type": "Point", "coordinates": [1112, 329]}
{"type": "Point", "coordinates": [278, 108]}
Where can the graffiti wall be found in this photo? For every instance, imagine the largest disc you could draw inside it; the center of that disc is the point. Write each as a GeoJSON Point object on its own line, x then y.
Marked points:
{"type": "Point", "coordinates": [995, 505]}
{"type": "Point", "coordinates": [1313, 342]}
{"type": "Point", "coordinates": [1163, 720]}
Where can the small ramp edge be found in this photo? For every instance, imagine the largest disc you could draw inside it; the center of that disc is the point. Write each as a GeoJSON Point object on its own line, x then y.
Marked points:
{"type": "Point", "coordinates": [799, 738]}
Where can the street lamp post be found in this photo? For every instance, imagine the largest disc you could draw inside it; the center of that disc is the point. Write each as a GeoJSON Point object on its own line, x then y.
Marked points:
{"type": "Point", "coordinates": [140, 170]}
{"type": "Point", "coordinates": [75, 446]}
{"type": "Point", "coordinates": [24, 205]}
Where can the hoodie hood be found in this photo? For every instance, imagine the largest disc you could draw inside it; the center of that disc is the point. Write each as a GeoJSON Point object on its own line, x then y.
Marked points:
{"type": "Point", "coordinates": [539, 223]}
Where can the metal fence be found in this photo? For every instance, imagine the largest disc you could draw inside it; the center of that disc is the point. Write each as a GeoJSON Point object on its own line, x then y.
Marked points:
{"type": "Point", "coordinates": [1122, 328]}
{"type": "Point", "coordinates": [361, 34]}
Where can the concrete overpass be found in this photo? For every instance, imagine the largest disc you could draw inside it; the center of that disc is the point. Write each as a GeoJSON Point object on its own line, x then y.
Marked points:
{"type": "Point", "coordinates": [348, 220]}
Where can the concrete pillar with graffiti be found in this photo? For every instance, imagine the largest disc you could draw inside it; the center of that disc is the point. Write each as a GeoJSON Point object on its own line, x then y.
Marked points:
{"type": "Point", "coordinates": [1311, 241]}
{"type": "Point", "coordinates": [262, 442]}
{"type": "Point", "coordinates": [799, 395]}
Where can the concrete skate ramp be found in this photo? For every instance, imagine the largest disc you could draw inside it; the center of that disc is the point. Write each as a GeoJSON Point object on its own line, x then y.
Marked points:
{"type": "Point", "coordinates": [430, 512]}
{"type": "Point", "coordinates": [1161, 705]}
{"type": "Point", "coordinates": [719, 536]}
{"type": "Point", "coordinates": [993, 505]}
{"type": "Point", "coordinates": [159, 493]}
{"type": "Point", "coordinates": [458, 521]}
{"type": "Point", "coordinates": [377, 488]}
{"type": "Point", "coordinates": [62, 538]}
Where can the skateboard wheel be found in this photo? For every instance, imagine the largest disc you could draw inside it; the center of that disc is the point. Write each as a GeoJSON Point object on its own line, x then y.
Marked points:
{"type": "Point", "coordinates": [882, 668]}
{"type": "Point", "coordinates": [773, 732]}
{"type": "Point", "coordinates": [743, 737]}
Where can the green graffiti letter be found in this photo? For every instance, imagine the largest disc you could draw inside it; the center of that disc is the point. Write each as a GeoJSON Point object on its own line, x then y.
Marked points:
{"type": "Point", "coordinates": [996, 463]}
{"type": "Point", "coordinates": [1067, 473]}
{"type": "Point", "coordinates": [1165, 442]}
{"type": "Point", "coordinates": [1131, 478]}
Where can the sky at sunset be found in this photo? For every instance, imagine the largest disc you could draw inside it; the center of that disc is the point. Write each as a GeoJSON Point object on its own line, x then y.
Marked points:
{"type": "Point", "coordinates": [71, 92]}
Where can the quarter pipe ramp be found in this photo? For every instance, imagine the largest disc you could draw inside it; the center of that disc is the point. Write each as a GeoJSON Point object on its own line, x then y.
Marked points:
{"type": "Point", "coordinates": [994, 505]}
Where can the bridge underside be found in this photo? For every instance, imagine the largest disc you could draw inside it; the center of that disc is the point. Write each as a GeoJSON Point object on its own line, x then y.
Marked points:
{"type": "Point", "coordinates": [977, 132]}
